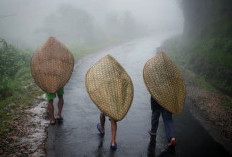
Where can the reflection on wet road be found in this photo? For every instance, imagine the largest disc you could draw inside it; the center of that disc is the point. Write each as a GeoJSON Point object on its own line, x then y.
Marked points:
{"type": "Point", "coordinates": [77, 136]}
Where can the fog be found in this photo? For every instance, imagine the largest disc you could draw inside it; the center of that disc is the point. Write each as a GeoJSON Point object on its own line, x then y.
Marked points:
{"type": "Point", "coordinates": [28, 23]}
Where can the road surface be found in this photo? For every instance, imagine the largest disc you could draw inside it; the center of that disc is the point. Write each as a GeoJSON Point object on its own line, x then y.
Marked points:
{"type": "Point", "coordinates": [77, 135]}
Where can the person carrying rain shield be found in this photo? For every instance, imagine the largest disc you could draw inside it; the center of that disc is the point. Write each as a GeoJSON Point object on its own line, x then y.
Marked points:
{"type": "Point", "coordinates": [51, 68]}
{"type": "Point", "coordinates": [167, 88]}
{"type": "Point", "coordinates": [111, 89]}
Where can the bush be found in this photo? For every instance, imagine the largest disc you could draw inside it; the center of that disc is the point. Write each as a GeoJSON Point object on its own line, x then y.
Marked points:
{"type": "Point", "coordinates": [209, 58]}
{"type": "Point", "coordinates": [23, 74]}
{"type": "Point", "coordinates": [14, 65]}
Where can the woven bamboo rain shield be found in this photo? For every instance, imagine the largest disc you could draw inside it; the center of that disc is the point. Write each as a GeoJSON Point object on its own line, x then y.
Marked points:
{"type": "Point", "coordinates": [165, 82]}
{"type": "Point", "coordinates": [52, 66]}
{"type": "Point", "coordinates": [110, 87]}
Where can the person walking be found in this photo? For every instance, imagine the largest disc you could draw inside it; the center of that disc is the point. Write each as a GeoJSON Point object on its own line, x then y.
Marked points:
{"type": "Point", "coordinates": [101, 129]}
{"type": "Point", "coordinates": [166, 85]}
{"type": "Point", "coordinates": [111, 90]}
{"type": "Point", "coordinates": [168, 122]}
{"type": "Point", "coordinates": [51, 67]}
{"type": "Point", "coordinates": [50, 97]}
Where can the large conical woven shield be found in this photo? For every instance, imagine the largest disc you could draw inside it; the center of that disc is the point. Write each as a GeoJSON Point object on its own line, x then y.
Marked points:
{"type": "Point", "coordinates": [110, 87]}
{"type": "Point", "coordinates": [165, 82]}
{"type": "Point", "coordinates": [52, 66]}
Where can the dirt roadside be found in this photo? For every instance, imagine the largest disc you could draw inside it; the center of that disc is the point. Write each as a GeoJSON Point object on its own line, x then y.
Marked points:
{"type": "Point", "coordinates": [208, 109]}
{"type": "Point", "coordinates": [28, 134]}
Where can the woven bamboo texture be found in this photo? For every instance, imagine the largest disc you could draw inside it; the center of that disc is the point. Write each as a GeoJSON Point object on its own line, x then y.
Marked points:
{"type": "Point", "coordinates": [52, 66]}
{"type": "Point", "coordinates": [110, 87]}
{"type": "Point", "coordinates": [165, 83]}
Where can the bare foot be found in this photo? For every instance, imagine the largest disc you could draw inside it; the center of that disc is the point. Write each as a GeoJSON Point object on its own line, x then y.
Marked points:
{"type": "Point", "coordinates": [53, 122]}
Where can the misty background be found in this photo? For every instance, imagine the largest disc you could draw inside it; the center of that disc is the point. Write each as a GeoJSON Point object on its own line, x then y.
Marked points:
{"type": "Point", "coordinates": [29, 23]}
{"type": "Point", "coordinates": [202, 48]}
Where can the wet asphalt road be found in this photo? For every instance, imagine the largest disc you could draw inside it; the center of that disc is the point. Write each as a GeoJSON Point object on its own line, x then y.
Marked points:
{"type": "Point", "coordinates": [77, 135]}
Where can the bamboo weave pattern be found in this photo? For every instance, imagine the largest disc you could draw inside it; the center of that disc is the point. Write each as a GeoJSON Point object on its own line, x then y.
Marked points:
{"type": "Point", "coordinates": [165, 82]}
{"type": "Point", "coordinates": [52, 66]}
{"type": "Point", "coordinates": [110, 87]}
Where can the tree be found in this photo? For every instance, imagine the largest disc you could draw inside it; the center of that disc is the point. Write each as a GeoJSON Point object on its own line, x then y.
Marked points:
{"type": "Point", "coordinates": [70, 23]}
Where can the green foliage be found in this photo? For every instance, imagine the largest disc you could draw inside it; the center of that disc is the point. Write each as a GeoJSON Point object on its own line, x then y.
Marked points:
{"type": "Point", "coordinates": [23, 75]}
{"type": "Point", "coordinates": [209, 58]}
{"type": "Point", "coordinates": [200, 81]}
{"type": "Point", "coordinates": [215, 50]}
{"type": "Point", "coordinates": [219, 27]}
{"type": "Point", "coordinates": [13, 65]}
{"type": "Point", "coordinates": [227, 102]}
{"type": "Point", "coordinates": [13, 106]}
{"type": "Point", "coordinates": [15, 79]}
{"type": "Point", "coordinates": [11, 59]}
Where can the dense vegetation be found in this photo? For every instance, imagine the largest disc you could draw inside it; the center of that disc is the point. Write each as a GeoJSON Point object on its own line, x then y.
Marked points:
{"type": "Point", "coordinates": [205, 47]}
{"type": "Point", "coordinates": [209, 58]}
{"type": "Point", "coordinates": [16, 88]}
{"type": "Point", "coordinates": [14, 69]}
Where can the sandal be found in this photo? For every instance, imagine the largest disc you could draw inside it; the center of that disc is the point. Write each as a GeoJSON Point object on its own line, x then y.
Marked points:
{"type": "Point", "coordinates": [114, 147]}
{"type": "Point", "coordinates": [59, 118]}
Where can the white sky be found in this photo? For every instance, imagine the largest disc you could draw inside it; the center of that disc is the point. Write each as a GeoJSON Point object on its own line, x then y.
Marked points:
{"type": "Point", "coordinates": [20, 18]}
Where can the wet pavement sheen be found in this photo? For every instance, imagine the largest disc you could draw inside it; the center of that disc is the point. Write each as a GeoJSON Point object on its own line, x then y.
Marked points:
{"type": "Point", "coordinates": [77, 135]}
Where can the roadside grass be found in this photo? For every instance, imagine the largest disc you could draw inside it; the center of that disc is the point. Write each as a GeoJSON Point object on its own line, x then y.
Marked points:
{"type": "Point", "coordinates": [216, 51]}
{"type": "Point", "coordinates": [210, 59]}
{"type": "Point", "coordinates": [227, 101]}
{"type": "Point", "coordinates": [199, 81]}
{"type": "Point", "coordinates": [23, 95]}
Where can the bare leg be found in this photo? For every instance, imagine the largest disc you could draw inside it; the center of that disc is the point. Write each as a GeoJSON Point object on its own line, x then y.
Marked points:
{"type": "Point", "coordinates": [51, 111]}
{"type": "Point", "coordinates": [60, 106]}
{"type": "Point", "coordinates": [102, 121]}
{"type": "Point", "coordinates": [113, 131]}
